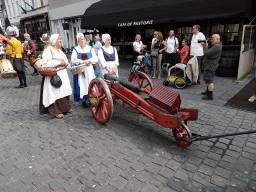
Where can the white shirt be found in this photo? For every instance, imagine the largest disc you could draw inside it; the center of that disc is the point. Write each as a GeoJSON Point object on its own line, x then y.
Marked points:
{"type": "Point", "coordinates": [110, 64]}
{"type": "Point", "coordinates": [196, 49]}
{"type": "Point", "coordinates": [50, 93]}
{"type": "Point", "coordinates": [138, 45]}
{"type": "Point", "coordinates": [171, 44]}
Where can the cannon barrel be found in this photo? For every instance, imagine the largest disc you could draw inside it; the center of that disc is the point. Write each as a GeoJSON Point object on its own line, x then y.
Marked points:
{"type": "Point", "coordinates": [133, 87]}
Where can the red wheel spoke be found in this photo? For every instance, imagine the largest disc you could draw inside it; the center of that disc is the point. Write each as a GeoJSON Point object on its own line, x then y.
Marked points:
{"type": "Point", "coordinates": [145, 85]}
{"type": "Point", "coordinates": [142, 79]}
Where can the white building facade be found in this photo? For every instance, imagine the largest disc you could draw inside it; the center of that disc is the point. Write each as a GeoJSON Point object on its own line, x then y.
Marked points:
{"type": "Point", "coordinates": [30, 16]}
{"type": "Point", "coordinates": [70, 12]}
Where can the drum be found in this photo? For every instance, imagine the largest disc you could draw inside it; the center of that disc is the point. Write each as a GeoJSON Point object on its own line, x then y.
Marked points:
{"type": "Point", "coordinates": [32, 60]}
{"type": "Point", "coordinates": [7, 71]}
{"type": "Point", "coordinates": [38, 63]}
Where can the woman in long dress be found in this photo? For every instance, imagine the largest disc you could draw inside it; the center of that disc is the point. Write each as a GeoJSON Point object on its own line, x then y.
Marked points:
{"type": "Point", "coordinates": [81, 81]}
{"type": "Point", "coordinates": [108, 57]}
{"type": "Point", "coordinates": [55, 101]}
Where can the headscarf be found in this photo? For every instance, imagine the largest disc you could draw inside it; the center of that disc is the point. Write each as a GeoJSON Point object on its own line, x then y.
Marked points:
{"type": "Point", "coordinates": [104, 37]}
{"type": "Point", "coordinates": [54, 38]}
{"type": "Point", "coordinates": [79, 35]}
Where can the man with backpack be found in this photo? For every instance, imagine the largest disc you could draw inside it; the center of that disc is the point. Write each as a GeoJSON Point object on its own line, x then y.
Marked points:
{"type": "Point", "coordinates": [173, 44]}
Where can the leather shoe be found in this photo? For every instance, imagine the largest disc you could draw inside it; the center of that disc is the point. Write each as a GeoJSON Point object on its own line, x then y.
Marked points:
{"type": "Point", "coordinates": [207, 97]}
{"type": "Point", "coordinates": [35, 74]}
{"type": "Point", "coordinates": [204, 93]}
{"type": "Point", "coordinates": [194, 83]}
{"type": "Point", "coordinates": [25, 85]}
{"type": "Point", "coordinates": [20, 86]}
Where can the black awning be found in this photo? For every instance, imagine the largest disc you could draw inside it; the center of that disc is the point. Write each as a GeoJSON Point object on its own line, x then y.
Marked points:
{"type": "Point", "coordinates": [118, 13]}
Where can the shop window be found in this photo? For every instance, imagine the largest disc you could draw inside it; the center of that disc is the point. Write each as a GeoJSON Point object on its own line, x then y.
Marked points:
{"type": "Point", "coordinates": [218, 29]}
{"type": "Point", "coordinates": [231, 32]}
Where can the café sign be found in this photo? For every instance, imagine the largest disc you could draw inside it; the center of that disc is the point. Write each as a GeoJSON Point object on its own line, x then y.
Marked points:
{"type": "Point", "coordinates": [135, 23]}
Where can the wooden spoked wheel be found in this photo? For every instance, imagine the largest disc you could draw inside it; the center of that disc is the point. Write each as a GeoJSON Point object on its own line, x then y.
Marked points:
{"type": "Point", "coordinates": [182, 132]}
{"type": "Point", "coordinates": [142, 80]}
{"type": "Point", "coordinates": [101, 100]}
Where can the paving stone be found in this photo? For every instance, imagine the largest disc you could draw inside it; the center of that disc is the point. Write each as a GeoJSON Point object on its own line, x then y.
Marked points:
{"type": "Point", "coordinates": [166, 172]}
{"type": "Point", "coordinates": [107, 188]}
{"type": "Point", "coordinates": [222, 172]}
{"type": "Point", "coordinates": [94, 160]}
{"type": "Point", "coordinates": [128, 173]}
{"type": "Point", "coordinates": [86, 176]}
{"type": "Point", "coordinates": [167, 189]}
{"type": "Point", "coordinates": [213, 188]}
{"type": "Point", "coordinates": [43, 170]}
{"type": "Point", "coordinates": [149, 188]}
{"type": "Point", "coordinates": [123, 164]}
{"type": "Point", "coordinates": [108, 162]}
{"type": "Point", "coordinates": [82, 167]}
{"type": "Point", "coordinates": [194, 186]}
{"type": "Point", "coordinates": [176, 184]}
{"type": "Point", "coordinates": [118, 182]}
{"type": "Point", "coordinates": [72, 185]}
{"type": "Point", "coordinates": [102, 179]}
{"type": "Point", "coordinates": [238, 184]}
{"type": "Point", "coordinates": [201, 178]}
{"type": "Point", "coordinates": [245, 177]}
{"type": "Point", "coordinates": [40, 181]}
{"type": "Point", "coordinates": [144, 176]}
{"type": "Point", "coordinates": [113, 171]}
{"type": "Point", "coordinates": [145, 159]}
{"type": "Point", "coordinates": [205, 169]}
{"type": "Point", "coordinates": [174, 165]}
{"type": "Point", "coordinates": [69, 175]}
{"type": "Point", "coordinates": [214, 156]}
{"type": "Point", "coordinates": [14, 186]}
{"type": "Point", "coordinates": [90, 187]}
{"type": "Point", "coordinates": [130, 157]}
{"type": "Point", "coordinates": [56, 183]}
{"type": "Point", "coordinates": [183, 174]}
{"type": "Point", "coordinates": [8, 170]}
{"type": "Point", "coordinates": [159, 161]}
{"type": "Point", "coordinates": [219, 181]}
{"type": "Point", "coordinates": [57, 172]}
{"type": "Point", "coordinates": [152, 168]}
{"type": "Point", "coordinates": [252, 185]}
{"type": "Point", "coordinates": [98, 168]}
{"type": "Point", "coordinates": [226, 165]}
{"type": "Point", "coordinates": [133, 185]}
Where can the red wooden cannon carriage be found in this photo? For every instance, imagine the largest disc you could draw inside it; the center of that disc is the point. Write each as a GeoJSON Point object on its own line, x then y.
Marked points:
{"type": "Point", "coordinates": [158, 103]}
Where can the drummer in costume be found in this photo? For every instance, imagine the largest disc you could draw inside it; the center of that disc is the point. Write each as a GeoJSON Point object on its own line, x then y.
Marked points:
{"type": "Point", "coordinates": [15, 51]}
{"type": "Point", "coordinates": [108, 57]}
{"type": "Point", "coordinates": [55, 101]}
{"type": "Point", "coordinates": [30, 51]}
{"type": "Point", "coordinates": [81, 81]}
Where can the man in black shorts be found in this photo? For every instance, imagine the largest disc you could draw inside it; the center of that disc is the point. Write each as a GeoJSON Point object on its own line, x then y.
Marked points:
{"type": "Point", "coordinates": [210, 63]}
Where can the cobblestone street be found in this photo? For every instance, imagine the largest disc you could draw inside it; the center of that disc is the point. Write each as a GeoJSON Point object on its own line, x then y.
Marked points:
{"type": "Point", "coordinates": [128, 153]}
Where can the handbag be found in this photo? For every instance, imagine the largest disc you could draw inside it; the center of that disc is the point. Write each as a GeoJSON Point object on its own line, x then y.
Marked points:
{"type": "Point", "coordinates": [56, 81]}
{"type": "Point", "coordinates": [154, 53]}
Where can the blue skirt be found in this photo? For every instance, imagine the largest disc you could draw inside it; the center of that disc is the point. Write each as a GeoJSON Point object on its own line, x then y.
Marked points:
{"type": "Point", "coordinates": [96, 73]}
{"type": "Point", "coordinates": [76, 91]}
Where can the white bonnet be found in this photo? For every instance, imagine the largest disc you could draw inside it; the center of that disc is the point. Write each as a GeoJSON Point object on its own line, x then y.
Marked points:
{"type": "Point", "coordinates": [104, 37]}
{"type": "Point", "coordinates": [54, 38]}
{"type": "Point", "coordinates": [79, 35]}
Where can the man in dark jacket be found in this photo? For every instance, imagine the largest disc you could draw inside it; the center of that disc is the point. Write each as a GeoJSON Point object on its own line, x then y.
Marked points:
{"type": "Point", "coordinates": [210, 63]}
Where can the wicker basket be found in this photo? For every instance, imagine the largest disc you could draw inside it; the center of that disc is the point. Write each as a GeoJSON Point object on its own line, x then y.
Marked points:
{"type": "Point", "coordinates": [78, 69]}
{"type": "Point", "coordinates": [48, 71]}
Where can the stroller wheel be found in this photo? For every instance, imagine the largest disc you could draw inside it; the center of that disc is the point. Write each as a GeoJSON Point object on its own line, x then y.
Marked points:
{"type": "Point", "coordinates": [166, 83]}
{"type": "Point", "coordinates": [180, 83]}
